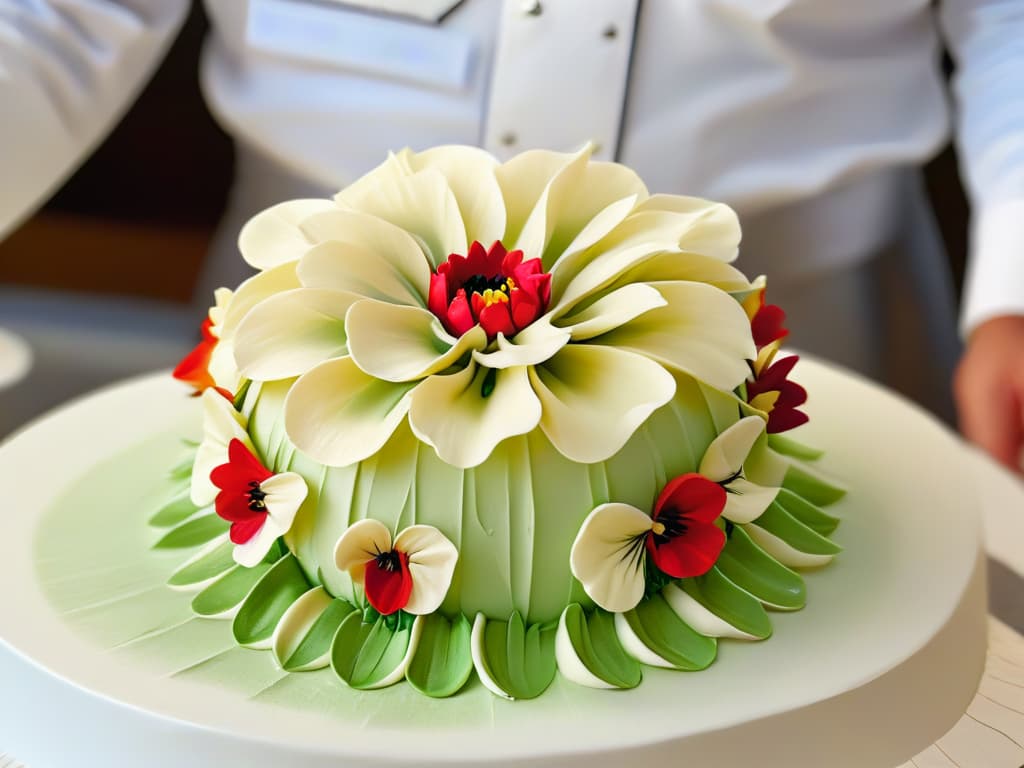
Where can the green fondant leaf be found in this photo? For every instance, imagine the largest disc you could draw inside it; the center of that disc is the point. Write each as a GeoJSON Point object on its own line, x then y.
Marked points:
{"type": "Point", "coordinates": [751, 568]}
{"type": "Point", "coordinates": [183, 469]}
{"type": "Point", "coordinates": [659, 628]}
{"type": "Point", "coordinates": [369, 655]}
{"type": "Point", "coordinates": [272, 595]}
{"type": "Point", "coordinates": [521, 661]}
{"type": "Point", "coordinates": [729, 602]}
{"type": "Point", "coordinates": [312, 649]}
{"type": "Point", "coordinates": [779, 522]}
{"type": "Point", "coordinates": [443, 660]}
{"type": "Point", "coordinates": [811, 486]}
{"type": "Point", "coordinates": [194, 532]}
{"type": "Point", "coordinates": [228, 591]}
{"type": "Point", "coordinates": [239, 398]}
{"type": "Point", "coordinates": [208, 566]}
{"type": "Point", "coordinates": [787, 446]}
{"type": "Point", "coordinates": [809, 514]}
{"type": "Point", "coordinates": [596, 644]}
{"type": "Point", "coordinates": [178, 509]}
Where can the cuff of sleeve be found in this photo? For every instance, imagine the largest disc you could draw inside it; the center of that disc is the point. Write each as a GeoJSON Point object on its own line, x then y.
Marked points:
{"type": "Point", "coordinates": [995, 276]}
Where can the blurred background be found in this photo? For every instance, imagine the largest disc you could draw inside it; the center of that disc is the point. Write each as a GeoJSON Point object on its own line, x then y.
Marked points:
{"type": "Point", "coordinates": [100, 282]}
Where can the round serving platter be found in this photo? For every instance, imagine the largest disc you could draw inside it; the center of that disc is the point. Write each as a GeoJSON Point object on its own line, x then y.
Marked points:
{"type": "Point", "coordinates": [110, 669]}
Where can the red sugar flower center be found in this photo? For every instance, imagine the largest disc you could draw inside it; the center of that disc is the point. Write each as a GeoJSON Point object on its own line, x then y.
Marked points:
{"type": "Point", "coordinates": [388, 582]}
{"type": "Point", "coordinates": [684, 540]}
{"type": "Point", "coordinates": [241, 500]}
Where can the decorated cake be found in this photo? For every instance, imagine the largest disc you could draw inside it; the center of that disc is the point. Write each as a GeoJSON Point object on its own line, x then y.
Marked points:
{"type": "Point", "coordinates": [512, 420]}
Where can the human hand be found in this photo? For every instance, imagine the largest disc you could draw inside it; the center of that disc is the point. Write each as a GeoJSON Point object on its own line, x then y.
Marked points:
{"type": "Point", "coordinates": [989, 389]}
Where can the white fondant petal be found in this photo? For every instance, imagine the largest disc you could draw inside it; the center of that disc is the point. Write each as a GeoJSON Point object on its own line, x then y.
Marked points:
{"type": "Point", "coordinates": [398, 673]}
{"type": "Point", "coordinates": [471, 175]}
{"type": "Point", "coordinates": [476, 647]}
{"type": "Point", "coordinates": [594, 398]}
{"type": "Point", "coordinates": [608, 556]}
{"type": "Point", "coordinates": [273, 237]}
{"type": "Point", "coordinates": [338, 415]}
{"type": "Point", "coordinates": [746, 501]}
{"type": "Point", "coordinates": [570, 665]}
{"type": "Point", "coordinates": [597, 228]}
{"type": "Point", "coordinates": [783, 551]}
{"type": "Point", "coordinates": [222, 367]}
{"type": "Point", "coordinates": [536, 343]}
{"type": "Point", "coordinates": [635, 647]}
{"type": "Point", "coordinates": [699, 226]}
{"type": "Point", "coordinates": [295, 624]}
{"type": "Point", "coordinates": [359, 544]}
{"type": "Point", "coordinates": [252, 552]}
{"type": "Point", "coordinates": [397, 343]}
{"type": "Point", "coordinates": [523, 180]}
{"type": "Point", "coordinates": [702, 331]}
{"type": "Point", "coordinates": [365, 255]}
{"type": "Point", "coordinates": [285, 493]}
{"type": "Point", "coordinates": [432, 559]}
{"type": "Point", "coordinates": [727, 452]}
{"type": "Point", "coordinates": [699, 617]}
{"type": "Point", "coordinates": [287, 334]}
{"type": "Point", "coordinates": [221, 424]}
{"type": "Point", "coordinates": [612, 310]}
{"type": "Point", "coordinates": [601, 271]}
{"type": "Point", "coordinates": [253, 291]}
{"type": "Point", "coordinates": [451, 413]}
{"type": "Point", "coordinates": [670, 266]}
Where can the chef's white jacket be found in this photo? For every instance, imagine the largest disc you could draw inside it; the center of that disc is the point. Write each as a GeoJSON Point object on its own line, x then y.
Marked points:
{"type": "Point", "coordinates": [796, 112]}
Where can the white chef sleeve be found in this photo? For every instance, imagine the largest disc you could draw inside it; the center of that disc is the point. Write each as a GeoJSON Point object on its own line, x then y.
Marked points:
{"type": "Point", "coordinates": [68, 71]}
{"type": "Point", "coordinates": [986, 38]}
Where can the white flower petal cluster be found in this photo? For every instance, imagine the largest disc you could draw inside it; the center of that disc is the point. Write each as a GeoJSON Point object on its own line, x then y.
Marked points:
{"type": "Point", "coordinates": [639, 292]}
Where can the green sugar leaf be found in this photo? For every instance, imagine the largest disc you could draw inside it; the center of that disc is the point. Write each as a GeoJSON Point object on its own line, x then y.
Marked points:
{"type": "Point", "coordinates": [207, 566]}
{"type": "Point", "coordinates": [305, 633]}
{"type": "Point", "coordinates": [811, 486]}
{"type": "Point", "coordinates": [228, 591]}
{"type": "Point", "coordinates": [194, 532]}
{"type": "Point", "coordinates": [369, 656]}
{"type": "Point", "coordinates": [729, 602]}
{"type": "Point", "coordinates": [787, 446]}
{"type": "Point", "coordinates": [178, 509]}
{"type": "Point", "coordinates": [596, 644]}
{"type": "Point", "coordinates": [443, 660]}
{"type": "Point", "coordinates": [183, 469]}
{"type": "Point", "coordinates": [658, 627]}
{"type": "Point", "coordinates": [779, 522]}
{"type": "Point", "coordinates": [811, 515]}
{"type": "Point", "coordinates": [521, 660]}
{"type": "Point", "coordinates": [751, 568]}
{"type": "Point", "coordinates": [272, 595]}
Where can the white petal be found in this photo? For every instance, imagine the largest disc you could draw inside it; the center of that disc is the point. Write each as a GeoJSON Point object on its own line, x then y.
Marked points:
{"type": "Point", "coordinates": [291, 332]}
{"type": "Point", "coordinates": [699, 617]}
{"type": "Point", "coordinates": [727, 452]}
{"type": "Point", "coordinates": [422, 204]}
{"type": "Point", "coordinates": [253, 291]}
{"type": "Point", "coordinates": [476, 646]}
{"type": "Point", "coordinates": [594, 398]}
{"type": "Point", "coordinates": [295, 624]}
{"type": "Point", "coordinates": [273, 237]}
{"type": "Point", "coordinates": [635, 647]}
{"type": "Point", "coordinates": [570, 665]}
{"type": "Point", "coordinates": [432, 559]}
{"type": "Point", "coordinates": [702, 331]}
{"type": "Point", "coordinates": [451, 414]}
{"type": "Point", "coordinates": [782, 551]}
{"type": "Point", "coordinates": [600, 272]}
{"type": "Point", "coordinates": [221, 424]}
{"type": "Point", "coordinates": [397, 343]}
{"type": "Point", "coordinates": [694, 267]}
{"type": "Point", "coordinates": [285, 493]}
{"type": "Point", "coordinates": [222, 367]}
{"type": "Point", "coordinates": [252, 552]}
{"type": "Point", "coordinates": [612, 310]}
{"type": "Point", "coordinates": [698, 226]}
{"type": "Point", "coordinates": [536, 343]}
{"type": "Point", "coordinates": [597, 228]}
{"type": "Point", "coordinates": [608, 556]}
{"type": "Point", "coordinates": [471, 175]}
{"type": "Point", "coordinates": [523, 180]}
{"type": "Point", "coordinates": [359, 544]}
{"type": "Point", "coordinates": [746, 501]}
{"type": "Point", "coordinates": [338, 415]}
{"type": "Point", "coordinates": [366, 255]}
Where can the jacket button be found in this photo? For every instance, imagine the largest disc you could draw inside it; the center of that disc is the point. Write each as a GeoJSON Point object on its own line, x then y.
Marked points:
{"type": "Point", "coordinates": [509, 139]}
{"type": "Point", "coordinates": [532, 7]}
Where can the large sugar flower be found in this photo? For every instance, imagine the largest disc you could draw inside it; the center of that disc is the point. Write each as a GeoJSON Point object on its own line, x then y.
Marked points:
{"type": "Point", "coordinates": [378, 332]}
{"type": "Point", "coordinates": [211, 364]}
{"type": "Point", "coordinates": [260, 505]}
{"type": "Point", "coordinates": [412, 574]}
{"type": "Point", "coordinates": [609, 555]}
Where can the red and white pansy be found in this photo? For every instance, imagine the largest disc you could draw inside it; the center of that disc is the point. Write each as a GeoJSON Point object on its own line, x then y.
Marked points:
{"type": "Point", "coordinates": [260, 505]}
{"type": "Point", "coordinates": [723, 463]}
{"type": "Point", "coordinates": [211, 364]}
{"type": "Point", "coordinates": [222, 423]}
{"type": "Point", "coordinates": [680, 537]}
{"type": "Point", "coordinates": [411, 573]}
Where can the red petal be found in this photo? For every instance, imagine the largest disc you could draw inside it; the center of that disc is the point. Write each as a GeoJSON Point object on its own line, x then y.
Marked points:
{"type": "Point", "coordinates": [767, 324]}
{"type": "Point", "coordinates": [193, 368]}
{"type": "Point", "coordinates": [691, 554]}
{"type": "Point", "coordinates": [478, 263]}
{"type": "Point", "coordinates": [511, 262]}
{"type": "Point", "coordinates": [240, 455]}
{"type": "Point", "coordinates": [525, 308]}
{"type": "Point", "coordinates": [775, 374]}
{"type": "Point", "coordinates": [437, 302]}
{"type": "Point", "coordinates": [785, 419]}
{"type": "Point", "coordinates": [206, 330]}
{"type": "Point", "coordinates": [234, 506]}
{"type": "Point", "coordinates": [244, 530]}
{"type": "Point", "coordinates": [791, 395]}
{"type": "Point", "coordinates": [693, 496]}
{"type": "Point", "coordinates": [388, 591]}
{"type": "Point", "coordinates": [460, 318]}
{"type": "Point", "coordinates": [497, 319]}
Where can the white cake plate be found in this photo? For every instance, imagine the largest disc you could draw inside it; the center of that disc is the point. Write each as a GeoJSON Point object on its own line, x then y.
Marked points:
{"type": "Point", "coordinates": [883, 660]}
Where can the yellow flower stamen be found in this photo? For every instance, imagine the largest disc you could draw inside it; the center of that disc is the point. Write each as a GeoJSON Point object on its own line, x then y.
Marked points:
{"type": "Point", "coordinates": [658, 528]}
